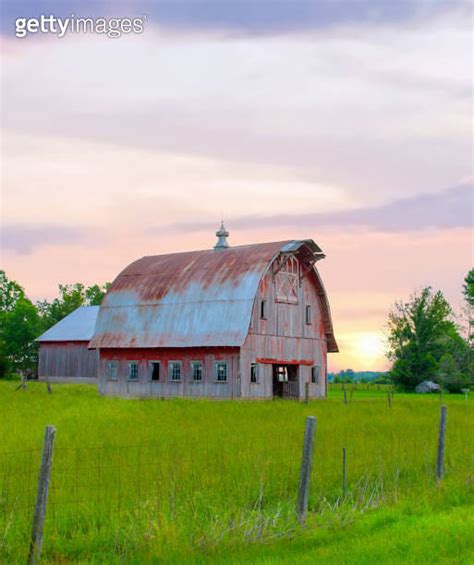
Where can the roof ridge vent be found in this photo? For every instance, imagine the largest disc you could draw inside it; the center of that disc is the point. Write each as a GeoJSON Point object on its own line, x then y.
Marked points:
{"type": "Point", "coordinates": [222, 235]}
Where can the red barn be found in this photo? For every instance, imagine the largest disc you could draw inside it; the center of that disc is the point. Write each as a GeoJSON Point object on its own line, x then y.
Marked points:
{"type": "Point", "coordinates": [251, 321]}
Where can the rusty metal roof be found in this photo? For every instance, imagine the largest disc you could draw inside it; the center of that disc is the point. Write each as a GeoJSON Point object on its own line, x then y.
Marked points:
{"type": "Point", "coordinates": [77, 326]}
{"type": "Point", "coordinates": [191, 299]}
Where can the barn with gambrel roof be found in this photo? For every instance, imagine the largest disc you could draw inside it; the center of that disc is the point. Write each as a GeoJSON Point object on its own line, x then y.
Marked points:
{"type": "Point", "coordinates": [251, 321]}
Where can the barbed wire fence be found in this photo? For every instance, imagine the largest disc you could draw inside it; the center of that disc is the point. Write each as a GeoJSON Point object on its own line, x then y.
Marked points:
{"type": "Point", "coordinates": [112, 487]}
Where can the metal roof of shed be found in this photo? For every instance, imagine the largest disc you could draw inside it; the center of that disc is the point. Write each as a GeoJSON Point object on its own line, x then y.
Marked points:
{"type": "Point", "coordinates": [77, 326]}
{"type": "Point", "coordinates": [191, 299]}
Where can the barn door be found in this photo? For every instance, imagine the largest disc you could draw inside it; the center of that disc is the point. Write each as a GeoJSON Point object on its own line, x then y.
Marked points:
{"type": "Point", "coordinates": [285, 381]}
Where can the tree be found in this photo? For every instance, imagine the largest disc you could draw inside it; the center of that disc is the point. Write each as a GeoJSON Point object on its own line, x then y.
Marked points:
{"type": "Point", "coordinates": [468, 287]}
{"type": "Point", "coordinates": [450, 375]}
{"type": "Point", "coordinates": [19, 327]}
{"type": "Point", "coordinates": [468, 291]}
{"type": "Point", "coordinates": [71, 297]}
{"type": "Point", "coordinates": [420, 332]}
{"type": "Point", "coordinates": [95, 294]}
{"type": "Point", "coordinates": [382, 379]}
{"type": "Point", "coordinates": [10, 292]}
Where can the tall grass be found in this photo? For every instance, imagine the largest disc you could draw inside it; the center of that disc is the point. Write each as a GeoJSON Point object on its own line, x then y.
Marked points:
{"type": "Point", "coordinates": [181, 479]}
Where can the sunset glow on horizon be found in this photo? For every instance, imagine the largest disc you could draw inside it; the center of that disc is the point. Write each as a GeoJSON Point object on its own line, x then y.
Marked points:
{"type": "Point", "coordinates": [354, 133]}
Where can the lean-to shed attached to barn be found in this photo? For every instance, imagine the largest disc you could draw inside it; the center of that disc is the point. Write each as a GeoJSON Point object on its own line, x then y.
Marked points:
{"type": "Point", "coordinates": [63, 349]}
{"type": "Point", "coordinates": [251, 321]}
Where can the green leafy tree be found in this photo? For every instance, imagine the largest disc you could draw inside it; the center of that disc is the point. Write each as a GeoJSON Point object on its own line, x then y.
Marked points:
{"type": "Point", "coordinates": [416, 330]}
{"type": "Point", "coordinates": [95, 294]}
{"type": "Point", "coordinates": [468, 287]}
{"type": "Point", "coordinates": [450, 375]}
{"type": "Point", "coordinates": [349, 375]}
{"type": "Point", "coordinates": [20, 325]}
{"type": "Point", "coordinates": [468, 291]}
{"type": "Point", "coordinates": [382, 379]}
{"type": "Point", "coordinates": [71, 297]}
{"type": "Point", "coordinates": [10, 292]}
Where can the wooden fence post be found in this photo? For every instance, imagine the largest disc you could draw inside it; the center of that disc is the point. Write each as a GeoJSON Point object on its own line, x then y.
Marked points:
{"type": "Point", "coordinates": [345, 393]}
{"type": "Point", "coordinates": [389, 399]}
{"type": "Point", "coordinates": [23, 383]}
{"type": "Point", "coordinates": [441, 437]}
{"type": "Point", "coordinates": [42, 496]}
{"type": "Point", "coordinates": [344, 475]}
{"type": "Point", "coordinates": [306, 466]}
{"type": "Point", "coordinates": [306, 393]}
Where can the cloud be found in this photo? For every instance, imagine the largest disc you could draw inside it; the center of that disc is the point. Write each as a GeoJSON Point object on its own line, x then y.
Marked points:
{"type": "Point", "coordinates": [25, 239]}
{"type": "Point", "coordinates": [452, 208]}
{"type": "Point", "coordinates": [234, 16]}
{"type": "Point", "coordinates": [376, 110]}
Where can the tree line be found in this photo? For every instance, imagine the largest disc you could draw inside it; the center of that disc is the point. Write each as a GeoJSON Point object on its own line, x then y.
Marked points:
{"type": "Point", "coordinates": [22, 320]}
{"type": "Point", "coordinates": [347, 376]}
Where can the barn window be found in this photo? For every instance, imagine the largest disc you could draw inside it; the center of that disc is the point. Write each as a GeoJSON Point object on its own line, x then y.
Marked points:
{"type": "Point", "coordinates": [112, 370]}
{"type": "Point", "coordinates": [196, 371]}
{"type": "Point", "coordinates": [308, 314]}
{"type": "Point", "coordinates": [253, 372]}
{"type": "Point", "coordinates": [133, 370]}
{"type": "Point", "coordinates": [263, 309]}
{"type": "Point", "coordinates": [282, 374]}
{"type": "Point", "coordinates": [175, 370]}
{"type": "Point", "coordinates": [287, 279]}
{"type": "Point", "coordinates": [315, 374]}
{"type": "Point", "coordinates": [221, 371]}
{"type": "Point", "coordinates": [154, 370]}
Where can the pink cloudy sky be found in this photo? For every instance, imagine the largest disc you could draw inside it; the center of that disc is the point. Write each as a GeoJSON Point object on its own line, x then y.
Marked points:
{"type": "Point", "coordinates": [345, 122]}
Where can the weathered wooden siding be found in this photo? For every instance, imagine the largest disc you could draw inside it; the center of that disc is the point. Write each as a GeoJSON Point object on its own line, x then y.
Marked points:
{"type": "Point", "coordinates": [284, 336]}
{"type": "Point", "coordinates": [67, 361]}
{"type": "Point", "coordinates": [144, 386]}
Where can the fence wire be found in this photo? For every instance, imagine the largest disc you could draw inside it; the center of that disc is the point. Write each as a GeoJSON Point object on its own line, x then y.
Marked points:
{"type": "Point", "coordinates": [112, 479]}
{"type": "Point", "coordinates": [114, 487]}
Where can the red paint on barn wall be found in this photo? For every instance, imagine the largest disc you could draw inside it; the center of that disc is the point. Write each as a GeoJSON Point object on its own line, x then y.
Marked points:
{"type": "Point", "coordinates": [285, 361]}
{"type": "Point", "coordinates": [165, 354]}
{"type": "Point", "coordinates": [286, 336]}
{"type": "Point", "coordinates": [208, 356]}
{"type": "Point", "coordinates": [283, 336]}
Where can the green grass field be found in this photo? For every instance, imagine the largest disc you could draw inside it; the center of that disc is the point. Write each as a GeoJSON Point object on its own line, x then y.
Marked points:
{"type": "Point", "coordinates": [138, 481]}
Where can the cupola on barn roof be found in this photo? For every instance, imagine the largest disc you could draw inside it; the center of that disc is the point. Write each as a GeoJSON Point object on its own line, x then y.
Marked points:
{"type": "Point", "coordinates": [222, 235]}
